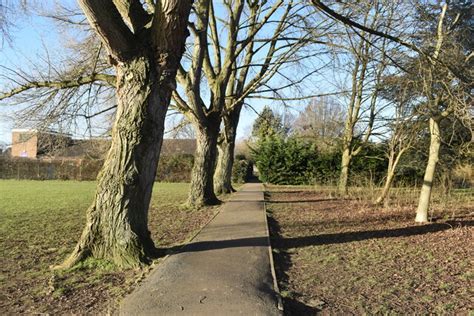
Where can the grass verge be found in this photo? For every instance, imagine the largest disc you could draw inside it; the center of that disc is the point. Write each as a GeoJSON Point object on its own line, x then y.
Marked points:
{"type": "Point", "coordinates": [40, 222]}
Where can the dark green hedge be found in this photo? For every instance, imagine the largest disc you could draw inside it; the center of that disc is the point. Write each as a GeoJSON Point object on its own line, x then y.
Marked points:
{"type": "Point", "coordinates": [281, 161]}
{"type": "Point", "coordinates": [242, 169]}
{"type": "Point", "coordinates": [295, 161]}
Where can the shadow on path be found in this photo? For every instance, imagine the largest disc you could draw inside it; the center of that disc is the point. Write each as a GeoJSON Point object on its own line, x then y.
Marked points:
{"type": "Point", "coordinates": [315, 240]}
{"type": "Point", "coordinates": [305, 201]}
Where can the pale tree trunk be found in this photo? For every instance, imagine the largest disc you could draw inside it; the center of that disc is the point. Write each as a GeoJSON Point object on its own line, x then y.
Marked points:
{"type": "Point", "coordinates": [344, 175]}
{"type": "Point", "coordinates": [388, 181]}
{"type": "Point", "coordinates": [425, 195]}
{"type": "Point", "coordinates": [202, 182]}
{"type": "Point", "coordinates": [388, 184]}
{"type": "Point", "coordinates": [435, 138]}
{"type": "Point", "coordinates": [226, 149]}
{"type": "Point", "coordinates": [392, 166]}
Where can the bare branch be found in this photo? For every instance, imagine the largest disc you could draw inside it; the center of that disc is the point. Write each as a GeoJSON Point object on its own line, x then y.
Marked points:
{"type": "Point", "coordinates": [64, 84]}
{"type": "Point", "coordinates": [104, 17]}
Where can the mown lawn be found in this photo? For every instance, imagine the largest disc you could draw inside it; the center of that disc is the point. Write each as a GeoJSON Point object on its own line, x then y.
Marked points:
{"type": "Point", "coordinates": [40, 222]}
{"type": "Point", "coordinates": [337, 256]}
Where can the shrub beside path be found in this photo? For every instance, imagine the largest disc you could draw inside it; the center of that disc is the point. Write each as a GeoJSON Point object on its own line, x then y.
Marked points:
{"type": "Point", "coordinates": [224, 270]}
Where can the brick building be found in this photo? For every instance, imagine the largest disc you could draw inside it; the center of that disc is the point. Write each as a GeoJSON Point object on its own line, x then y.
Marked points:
{"type": "Point", "coordinates": [31, 143]}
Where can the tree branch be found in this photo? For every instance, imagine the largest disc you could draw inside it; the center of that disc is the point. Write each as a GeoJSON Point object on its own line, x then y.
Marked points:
{"type": "Point", "coordinates": [61, 84]}
{"type": "Point", "coordinates": [133, 13]}
{"type": "Point", "coordinates": [104, 17]}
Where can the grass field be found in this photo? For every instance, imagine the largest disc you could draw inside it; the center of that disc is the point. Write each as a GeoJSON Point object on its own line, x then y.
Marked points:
{"type": "Point", "coordinates": [338, 256]}
{"type": "Point", "coordinates": [40, 221]}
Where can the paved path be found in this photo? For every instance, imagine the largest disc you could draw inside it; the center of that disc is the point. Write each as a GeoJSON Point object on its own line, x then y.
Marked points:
{"type": "Point", "coordinates": [225, 270]}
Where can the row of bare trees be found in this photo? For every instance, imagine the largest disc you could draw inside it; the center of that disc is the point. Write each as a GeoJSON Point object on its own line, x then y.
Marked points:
{"type": "Point", "coordinates": [417, 56]}
{"type": "Point", "coordinates": [208, 59]}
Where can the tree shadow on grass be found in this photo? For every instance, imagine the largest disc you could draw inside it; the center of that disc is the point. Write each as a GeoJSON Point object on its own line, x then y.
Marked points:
{"type": "Point", "coordinates": [305, 201]}
{"type": "Point", "coordinates": [315, 240]}
{"type": "Point", "coordinates": [293, 304]}
{"type": "Point", "coordinates": [339, 238]}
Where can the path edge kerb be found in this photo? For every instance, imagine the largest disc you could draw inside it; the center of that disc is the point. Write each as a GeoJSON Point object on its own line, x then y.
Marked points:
{"type": "Point", "coordinates": [270, 254]}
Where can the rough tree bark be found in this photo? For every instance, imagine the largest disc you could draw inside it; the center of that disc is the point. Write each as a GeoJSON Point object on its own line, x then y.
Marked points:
{"type": "Point", "coordinates": [225, 162]}
{"type": "Point", "coordinates": [226, 149]}
{"type": "Point", "coordinates": [202, 182]}
{"type": "Point", "coordinates": [425, 195]}
{"type": "Point", "coordinates": [146, 63]}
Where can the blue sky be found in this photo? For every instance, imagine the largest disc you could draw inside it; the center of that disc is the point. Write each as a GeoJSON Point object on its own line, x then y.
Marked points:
{"type": "Point", "coordinates": [32, 34]}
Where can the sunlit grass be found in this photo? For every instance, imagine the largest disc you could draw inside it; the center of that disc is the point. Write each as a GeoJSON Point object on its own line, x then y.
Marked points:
{"type": "Point", "coordinates": [40, 223]}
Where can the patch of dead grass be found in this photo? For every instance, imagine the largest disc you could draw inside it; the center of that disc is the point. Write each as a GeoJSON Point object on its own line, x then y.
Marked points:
{"type": "Point", "coordinates": [346, 256]}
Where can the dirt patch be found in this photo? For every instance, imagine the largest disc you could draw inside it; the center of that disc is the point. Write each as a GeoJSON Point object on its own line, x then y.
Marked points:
{"type": "Point", "coordinates": [339, 256]}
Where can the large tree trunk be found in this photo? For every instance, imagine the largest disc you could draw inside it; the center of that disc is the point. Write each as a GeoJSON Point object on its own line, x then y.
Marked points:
{"type": "Point", "coordinates": [226, 148]}
{"type": "Point", "coordinates": [425, 194]}
{"type": "Point", "coordinates": [344, 175]}
{"type": "Point", "coordinates": [202, 182]}
{"type": "Point", "coordinates": [225, 162]}
{"type": "Point", "coordinates": [146, 63]}
{"type": "Point", "coordinates": [116, 226]}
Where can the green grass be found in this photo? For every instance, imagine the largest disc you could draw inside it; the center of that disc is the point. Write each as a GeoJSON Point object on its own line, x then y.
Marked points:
{"type": "Point", "coordinates": [40, 222]}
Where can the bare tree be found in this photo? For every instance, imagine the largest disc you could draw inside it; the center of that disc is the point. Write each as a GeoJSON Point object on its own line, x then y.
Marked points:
{"type": "Point", "coordinates": [403, 127]}
{"type": "Point", "coordinates": [322, 121]}
{"type": "Point", "coordinates": [266, 58]}
{"type": "Point", "coordinates": [146, 59]}
{"type": "Point", "coordinates": [368, 63]}
{"type": "Point", "coordinates": [227, 74]}
{"type": "Point", "coordinates": [444, 94]}
{"type": "Point", "coordinates": [444, 69]}
{"type": "Point", "coordinates": [144, 45]}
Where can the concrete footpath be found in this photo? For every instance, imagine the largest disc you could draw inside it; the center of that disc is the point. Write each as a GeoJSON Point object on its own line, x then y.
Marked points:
{"type": "Point", "coordinates": [225, 270]}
